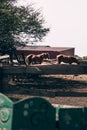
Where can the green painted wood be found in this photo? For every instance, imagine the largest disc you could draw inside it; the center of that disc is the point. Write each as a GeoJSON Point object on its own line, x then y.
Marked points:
{"type": "Point", "coordinates": [71, 119]}
{"type": "Point", "coordinates": [6, 112]}
{"type": "Point", "coordinates": [85, 118]}
{"type": "Point", "coordinates": [1, 79]}
{"type": "Point", "coordinates": [38, 114]}
{"type": "Point", "coordinates": [34, 114]}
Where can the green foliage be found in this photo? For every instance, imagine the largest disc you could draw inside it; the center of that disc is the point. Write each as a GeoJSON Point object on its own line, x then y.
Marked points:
{"type": "Point", "coordinates": [20, 25]}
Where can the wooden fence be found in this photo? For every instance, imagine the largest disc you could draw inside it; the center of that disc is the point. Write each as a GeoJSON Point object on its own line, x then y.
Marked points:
{"type": "Point", "coordinates": [38, 114]}
{"type": "Point", "coordinates": [44, 69]}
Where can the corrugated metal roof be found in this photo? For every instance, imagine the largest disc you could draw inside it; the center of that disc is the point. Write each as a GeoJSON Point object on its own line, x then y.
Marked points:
{"type": "Point", "coordinates": [43, 48]}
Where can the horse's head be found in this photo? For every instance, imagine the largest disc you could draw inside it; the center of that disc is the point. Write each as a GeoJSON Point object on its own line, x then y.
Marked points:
{"type": "Point", "coordinates": [46, 56]}
{"type": "Point", "coordinates": [77, 61]}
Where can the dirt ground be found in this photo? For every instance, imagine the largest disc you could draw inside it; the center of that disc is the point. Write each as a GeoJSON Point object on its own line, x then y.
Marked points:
{"type": "Point", "coordinates": [57, 89]}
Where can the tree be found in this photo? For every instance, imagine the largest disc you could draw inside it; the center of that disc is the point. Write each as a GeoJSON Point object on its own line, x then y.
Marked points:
{"type": "Point", "coordinates": [19, 25]}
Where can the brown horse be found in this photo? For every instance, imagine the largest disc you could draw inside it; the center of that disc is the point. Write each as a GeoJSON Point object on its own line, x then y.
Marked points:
{"type": "Point", "coordinates": [36, 59]}
{"type": "Point", "coordinates": [66, 59]}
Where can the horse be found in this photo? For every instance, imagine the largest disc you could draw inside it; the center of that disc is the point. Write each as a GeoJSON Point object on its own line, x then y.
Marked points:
{"type": "Point", "coordinates": [36, 59]}
{"type": "Point", "coordinates": [66, 59]}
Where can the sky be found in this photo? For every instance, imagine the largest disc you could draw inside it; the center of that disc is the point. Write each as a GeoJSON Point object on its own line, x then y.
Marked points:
{"type": "Point", "coordinates": [67, 20]}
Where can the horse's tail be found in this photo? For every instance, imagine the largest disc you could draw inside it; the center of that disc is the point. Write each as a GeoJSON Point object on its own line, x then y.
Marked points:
{"type": "Point", "coordinates": [59, 58]}
{"type": "Point", "coordinates": [28, 59]}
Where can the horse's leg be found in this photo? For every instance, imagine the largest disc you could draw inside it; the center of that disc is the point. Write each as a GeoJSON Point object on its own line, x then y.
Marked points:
{"type": "Point", "coordinates": [32, 61]}
{"type": "Point", "coordinates": [59, 61]}
{"type": "Point", "coordinates": [29, 62]}
{"type": "Point", "coordinates": [26, 60]}
{"type": "Point", "coordinates": [35, 60]}
{"type": "Point", "coordinates": [40, 62]}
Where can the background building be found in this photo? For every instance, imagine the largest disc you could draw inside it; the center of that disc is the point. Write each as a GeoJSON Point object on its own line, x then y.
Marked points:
{"type": "Point", "coordinates": [53, 51]}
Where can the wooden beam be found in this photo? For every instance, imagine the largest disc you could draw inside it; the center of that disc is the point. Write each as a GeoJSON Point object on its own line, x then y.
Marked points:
{"type": "Point", "coordinates": [64, 69]}
{"type": "Point", "coordinates": [45, 69]}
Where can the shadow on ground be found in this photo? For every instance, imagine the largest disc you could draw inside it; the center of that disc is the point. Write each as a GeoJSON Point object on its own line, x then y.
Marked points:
{"type": "Point", "coordinates": [47, 86]}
